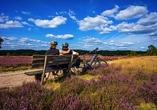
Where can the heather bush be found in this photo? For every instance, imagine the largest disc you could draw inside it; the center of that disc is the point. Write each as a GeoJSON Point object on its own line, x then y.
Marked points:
{"type": "Point", "coordinates": [148, 89]}
{"type": "Point", "coordinates": [141, 75]}
{"type": "Point", "coordinates": [111, 69]}
{"type": "Point", "coordinates": [74, 85]}
{"type": "Point", "coordinates": [113, 91]}
{"type": "Point", "coordinates": [70, 101]}
{"type": "Point", "coordinates": [30, 96]}
{"type": "Point", "coordinates": [15, 61]}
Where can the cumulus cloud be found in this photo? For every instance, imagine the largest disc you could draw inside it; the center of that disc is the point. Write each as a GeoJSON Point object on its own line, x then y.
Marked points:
{"type": "Point", "coordinates": [148, 19]}
{"type": "Point", "coordinates": [125, 44]}
{"type": "Point", "coordinates": [110, 13]}
{"type": "Point", "coordinates": [11, 24]}
{"type": "Point", "coordinates": [25, 23]}
{"type": "Point", "coordinates": [98, 23]}
{"type": "Point", "coordinates": [9, 38]}
{"type": "Point", "coordinates": [3, 18]}
{"type": "Point", "coordinates": [65, 36]}
{"type": "Point", "coordinates": [28, 40]}
{"type": "Point", "coordinates": [55, 22]}
{"type": "Point", "coordinates": [131, 12]}
{"type": "Point", "coordinates": [18, 18]}
{"type": "Point", "coordinates": [23, 43]}
{"type": "Point", "coordinates": [136, 28]}
{"type": "Point", "coordinates": [89, 41]}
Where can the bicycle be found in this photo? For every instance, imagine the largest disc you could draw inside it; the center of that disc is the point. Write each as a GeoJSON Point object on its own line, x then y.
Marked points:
{"type": "Point", "coordinates": [94, 63]}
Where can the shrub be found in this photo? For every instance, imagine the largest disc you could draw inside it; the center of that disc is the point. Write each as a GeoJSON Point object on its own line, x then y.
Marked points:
{"type": "Point", "coordinates": [113, 91]}
{"type": "Point", "coordinates": [70, 102]}
{"type": "Point", "coordinates": [111, 69]}
{"type": "Point", "coordinates": [30, 96]}
{"type": "Point", "coordinates": [73, 85]}
{"type": "Point", "coordinates": [148, 89]}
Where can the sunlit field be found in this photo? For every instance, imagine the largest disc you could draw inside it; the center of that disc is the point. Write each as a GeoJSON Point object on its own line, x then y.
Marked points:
{"type": "Point", "coordinates": [126, 84]}
{"type": "Point", "coordinates": [144, 63]}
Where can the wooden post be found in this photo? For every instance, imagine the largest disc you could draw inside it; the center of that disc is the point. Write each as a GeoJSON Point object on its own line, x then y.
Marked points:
{"type": "Point", "coordinates": [44, 69]}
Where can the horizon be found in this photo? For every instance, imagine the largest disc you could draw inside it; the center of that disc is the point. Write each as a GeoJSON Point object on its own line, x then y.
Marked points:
{"type": "Point", "coordinates": [84, 24]}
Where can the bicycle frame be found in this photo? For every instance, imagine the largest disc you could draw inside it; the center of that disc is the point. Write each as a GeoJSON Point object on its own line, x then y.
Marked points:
{"type": "Point", "coordinates": [89, 65]}
{"type": "Point", "coordinates": [93, 59]}
{"type": "Point", "coordinates": [86, 65]}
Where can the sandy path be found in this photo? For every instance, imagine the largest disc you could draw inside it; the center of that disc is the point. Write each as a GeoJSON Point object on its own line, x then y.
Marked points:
{"type": "Point", "coordinates": [14, 78]}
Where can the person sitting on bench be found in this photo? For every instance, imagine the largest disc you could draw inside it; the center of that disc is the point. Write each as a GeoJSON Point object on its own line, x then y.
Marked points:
{"type": "Point", "coordinates": [54, 51]}
{"type": "Point", "coordinates": [65, 47]}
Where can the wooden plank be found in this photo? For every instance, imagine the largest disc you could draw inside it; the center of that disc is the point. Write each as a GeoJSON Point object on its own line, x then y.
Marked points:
{"type": "Point", "coordinates": [38, 56]}
{"type": "Point", "coordinates": [37, 65]}
{"type": "Point", "coordinates": [37, 60]}
{"type": "Point", "coordinates": [34, 72]}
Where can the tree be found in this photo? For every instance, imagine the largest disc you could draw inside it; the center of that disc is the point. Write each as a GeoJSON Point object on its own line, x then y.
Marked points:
{"type": "Point", "coordinates": [151, 50]}
{"type": "Point", "coordinates": [133, 53]}
{"type": "Point", "coordinates": [1, 40]}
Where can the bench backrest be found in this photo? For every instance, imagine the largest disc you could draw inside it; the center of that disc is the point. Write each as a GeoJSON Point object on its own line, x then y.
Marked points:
{"type": "Point", "coordinates": [55, 61]}
{"type": "Point", "coordinates": [51, 60]}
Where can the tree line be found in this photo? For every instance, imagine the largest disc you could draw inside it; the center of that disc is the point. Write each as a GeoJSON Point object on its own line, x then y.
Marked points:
{"type": "Point", "coordinates": [152, 50]}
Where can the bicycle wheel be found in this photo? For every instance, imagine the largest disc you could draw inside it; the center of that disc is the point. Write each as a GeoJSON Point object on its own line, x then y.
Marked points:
{"type": "Point", "coordinates": [99, 63]}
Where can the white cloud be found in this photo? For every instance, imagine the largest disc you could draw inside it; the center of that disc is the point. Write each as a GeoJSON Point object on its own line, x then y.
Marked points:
{"type": "Point", "coordinates": [28, 40]}
{"type": "Point", "coordinates": [25, 23]}
{"type": "Point", "coordinates": [11, 24]}
{"type": "Point", "coordinates": [125, 44]}
{"type": "Point", "coordinates": [3, 17]}
{"type": "Point", "coordinates": [98, 23]}
{"type": "Point", "coordinates": [92, 41]}
{"type": "Point", "coordinates": [9, 38]}
{"type": "Point", "coordinates": [24, 12]}
{"type": "Point", "coordinates": [131, 12]}
{"type": "Point", "coordinates": [72, 15]}
{"type": "Point", "coordinates": [148, 19]}
{"type": "Point", "coordinates": [153, 33]}
{"type": "Point", "coordinates": [136, 28]}
{"type": "Point", "coordinates": [110, 13]}
{"type": "Point", "coordinates": [65, 36]}
{"type": "Point", "coordinates": [29, 29]}
{"type": "Point", "coordinates": [18, 18]}
{"type": "Point", "coordinates": [55, 22]}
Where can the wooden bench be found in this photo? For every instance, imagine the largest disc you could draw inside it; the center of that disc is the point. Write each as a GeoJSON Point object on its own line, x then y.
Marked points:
{"type": "Point", "coordinates": [51, 63]}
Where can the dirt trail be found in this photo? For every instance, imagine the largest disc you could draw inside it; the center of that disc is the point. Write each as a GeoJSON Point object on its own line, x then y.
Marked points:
{"type": "Point", "coordinates": [14, 78]}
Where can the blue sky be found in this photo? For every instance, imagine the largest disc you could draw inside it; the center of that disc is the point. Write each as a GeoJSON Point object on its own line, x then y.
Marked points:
{"type": "Point", "coordinates": [84, 24]}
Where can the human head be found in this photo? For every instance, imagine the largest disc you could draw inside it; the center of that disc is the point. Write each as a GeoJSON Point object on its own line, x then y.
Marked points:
{"type": "Point", "coordinates": [65, 46]}
{"type": "Point", "coordinates": [53, 44]}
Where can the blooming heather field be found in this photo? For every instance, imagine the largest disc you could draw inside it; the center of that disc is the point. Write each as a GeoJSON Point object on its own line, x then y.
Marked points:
{"type": "Point", "coordinates": [13, 63]}
{"type": "Point", "coordinates": [128, 84]}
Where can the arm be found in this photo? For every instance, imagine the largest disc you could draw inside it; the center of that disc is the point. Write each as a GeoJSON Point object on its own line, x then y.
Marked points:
{"type": "Point", "coordinates": [75, 53]}
{"type": "Point", "coordinates": [64, 52]}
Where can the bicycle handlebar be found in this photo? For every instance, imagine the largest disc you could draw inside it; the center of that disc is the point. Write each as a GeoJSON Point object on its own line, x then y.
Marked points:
{"type": "Point", "coordinates": [94, 50]}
